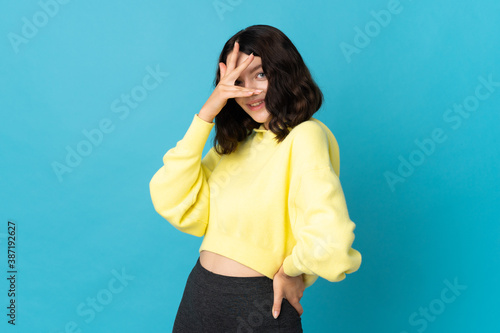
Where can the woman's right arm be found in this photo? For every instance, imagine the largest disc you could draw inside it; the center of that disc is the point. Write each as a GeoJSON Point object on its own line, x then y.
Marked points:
{"type": "Point", "coordinates": [179, 189]}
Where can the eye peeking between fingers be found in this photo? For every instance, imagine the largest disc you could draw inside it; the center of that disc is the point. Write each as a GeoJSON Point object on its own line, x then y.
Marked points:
{"type": "Point", "coordinates": [260, 76]}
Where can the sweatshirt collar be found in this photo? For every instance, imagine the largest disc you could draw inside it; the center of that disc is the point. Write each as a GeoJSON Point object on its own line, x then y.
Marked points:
{"type": "Point", "coordinates": [261, 128]}
{"type": "Point", "coordinates": [263, 133]}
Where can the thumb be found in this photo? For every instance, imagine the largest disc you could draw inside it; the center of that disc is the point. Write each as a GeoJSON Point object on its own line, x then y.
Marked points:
{"type": "Point", "coordinates": [278, 299]}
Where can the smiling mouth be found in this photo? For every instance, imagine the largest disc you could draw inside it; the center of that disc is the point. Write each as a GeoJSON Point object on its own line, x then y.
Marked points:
{"type": "Point", "coordinates": [256, 103]}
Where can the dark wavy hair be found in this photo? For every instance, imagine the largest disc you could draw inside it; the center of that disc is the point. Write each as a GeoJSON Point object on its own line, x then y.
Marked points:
{"type": "Point", "coordinates": [292, 95]}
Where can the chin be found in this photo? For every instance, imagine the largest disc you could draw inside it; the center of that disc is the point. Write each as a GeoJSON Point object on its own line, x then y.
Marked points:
{"type": "Point", "coordinates": [260, 118]}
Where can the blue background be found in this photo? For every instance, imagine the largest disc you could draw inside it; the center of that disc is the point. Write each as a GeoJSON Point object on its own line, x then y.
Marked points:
{"type": "Point", "coordinates": [76, 231]}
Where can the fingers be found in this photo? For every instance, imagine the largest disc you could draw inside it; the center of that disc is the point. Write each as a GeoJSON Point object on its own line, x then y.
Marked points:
{"type": "Point", "coordinates": [222, 69]}
{"type": "Point", "coordinates": [289, 288]}
{"type": "Point", "coordinates": [245, 64]}
{"type": "Point", "coordinates": [298, 307]}
{"type": "Point", "coordinates": [230, 91]}
{"type": "Point", "coordinates": [231, 58]}
{"type": "Point", "coordinates": [235, 73]}
{"type": "Point", "coordinates": [278, 298]}
{"type": "Point", "coordinates": [277, 306]}
{"type": "Point", "coordinates": [230, 69]}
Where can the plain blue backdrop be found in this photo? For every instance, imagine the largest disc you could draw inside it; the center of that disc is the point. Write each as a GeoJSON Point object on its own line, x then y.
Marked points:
{"type": "Point", "coordinates": [94, 93]}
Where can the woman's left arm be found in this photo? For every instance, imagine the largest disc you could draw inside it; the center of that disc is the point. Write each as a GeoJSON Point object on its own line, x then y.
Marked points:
{"type": "Point", "coordinates": [323, 229]}
{"type": "Point", "coordinates": [324, 234]}
{"type": "Point", "coordinates": [321, 225]}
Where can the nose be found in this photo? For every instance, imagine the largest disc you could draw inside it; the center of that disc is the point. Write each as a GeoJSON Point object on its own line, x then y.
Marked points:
{"type": "Point", "coordinates": [248, 85]}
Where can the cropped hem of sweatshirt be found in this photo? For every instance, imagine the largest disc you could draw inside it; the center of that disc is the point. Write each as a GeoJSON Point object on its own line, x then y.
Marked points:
{"type": "Point", "coordinates": [265, 205]}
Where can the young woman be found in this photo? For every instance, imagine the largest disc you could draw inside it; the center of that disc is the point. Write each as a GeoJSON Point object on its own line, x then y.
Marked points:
{"type": "Point", "coordinates": [266, 197]}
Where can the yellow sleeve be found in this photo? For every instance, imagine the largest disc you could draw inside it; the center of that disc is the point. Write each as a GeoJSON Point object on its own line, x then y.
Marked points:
{"type": "Point", "coordinates": [179, 189]}
{"type": "Point", "coordinates": [323, 230]}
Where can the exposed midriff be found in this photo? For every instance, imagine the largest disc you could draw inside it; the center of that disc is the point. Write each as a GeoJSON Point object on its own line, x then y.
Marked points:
{"type": "Point", "coordinates": [221, 265]}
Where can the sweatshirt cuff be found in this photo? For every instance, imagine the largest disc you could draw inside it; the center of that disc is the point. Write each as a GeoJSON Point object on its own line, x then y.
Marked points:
{"type": "Point", "coordinates": [197, 134]}
{"type": "Point", "coordinates": [289, 268]}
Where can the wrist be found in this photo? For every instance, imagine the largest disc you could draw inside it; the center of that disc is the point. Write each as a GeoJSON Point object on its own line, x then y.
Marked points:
{"type": "Point", "coordinates": [205, 117]}
{"type": "Point", "coordinates": [283, 274]}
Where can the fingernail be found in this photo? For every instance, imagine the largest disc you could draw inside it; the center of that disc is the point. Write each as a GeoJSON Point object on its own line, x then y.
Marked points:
{"type": "Point", "coordinates": [275, 315]}
{"type": "Point", "coordinates": [258, 91]}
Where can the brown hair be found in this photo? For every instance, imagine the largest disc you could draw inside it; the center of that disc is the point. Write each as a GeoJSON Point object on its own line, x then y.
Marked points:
{"type": "Point", "coordinates": [292, 95]}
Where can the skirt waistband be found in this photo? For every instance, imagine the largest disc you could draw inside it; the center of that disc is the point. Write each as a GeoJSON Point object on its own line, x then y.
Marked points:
{"type": "Point", "coordinates": [230, 284]}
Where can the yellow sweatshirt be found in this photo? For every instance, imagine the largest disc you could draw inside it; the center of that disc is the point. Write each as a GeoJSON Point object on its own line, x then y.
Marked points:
{"type": "Point", "coordinates": [264, 205]}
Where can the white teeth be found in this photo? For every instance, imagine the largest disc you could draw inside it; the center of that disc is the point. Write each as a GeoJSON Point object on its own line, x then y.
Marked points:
{"type": "Point", "coordinates": [255, 104]}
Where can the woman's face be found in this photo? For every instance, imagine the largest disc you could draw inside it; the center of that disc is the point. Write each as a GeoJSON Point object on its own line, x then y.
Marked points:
{"type": "Point", "coordinates": [253, 77]}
